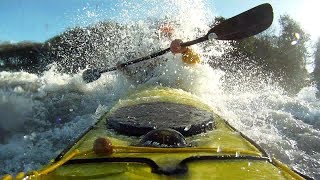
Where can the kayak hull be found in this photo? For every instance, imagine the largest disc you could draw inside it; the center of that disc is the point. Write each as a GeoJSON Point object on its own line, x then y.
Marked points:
{"type": "Point", "coordinates": [218, 153]}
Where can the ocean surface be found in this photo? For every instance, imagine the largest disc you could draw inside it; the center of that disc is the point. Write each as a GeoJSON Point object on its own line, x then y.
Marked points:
{"type": "Point", "coordinates": [41, 114]}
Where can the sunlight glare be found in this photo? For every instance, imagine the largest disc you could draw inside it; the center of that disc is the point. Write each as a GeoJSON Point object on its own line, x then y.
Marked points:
{"type": "Point", "coordinates": [308, 16]}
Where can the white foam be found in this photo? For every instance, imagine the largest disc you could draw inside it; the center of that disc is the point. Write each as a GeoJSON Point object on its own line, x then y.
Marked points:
{"type": "Point", "coordinates": [60, 106]}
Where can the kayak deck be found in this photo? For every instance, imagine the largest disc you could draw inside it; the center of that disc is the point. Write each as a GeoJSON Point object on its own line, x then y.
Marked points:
{"type": "Point", "coordinates": [222, 153]}
{"type": "Point", "coordinates": [222, 137]}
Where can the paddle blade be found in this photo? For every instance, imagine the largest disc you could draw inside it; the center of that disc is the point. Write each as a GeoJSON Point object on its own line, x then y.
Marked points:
{"type": "Point", "coordinates": [246, 24]}
{"type": "Point", "coordinates": [91, 75]}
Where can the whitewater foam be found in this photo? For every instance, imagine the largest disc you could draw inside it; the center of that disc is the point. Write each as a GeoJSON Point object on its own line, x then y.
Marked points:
{"type": "Point", "coordinates": [40, 115]}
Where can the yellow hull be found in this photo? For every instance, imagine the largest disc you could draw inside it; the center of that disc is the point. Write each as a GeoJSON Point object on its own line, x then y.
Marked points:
{"type": "Point", "coordinates": [221, 153]}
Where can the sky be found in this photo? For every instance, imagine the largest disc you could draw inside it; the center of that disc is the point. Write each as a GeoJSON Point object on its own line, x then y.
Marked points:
{"type": "Point", "coordinates": [39, 20]}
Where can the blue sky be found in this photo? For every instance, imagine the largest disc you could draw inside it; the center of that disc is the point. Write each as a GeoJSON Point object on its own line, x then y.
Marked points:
{"type": "Point", "coordinates": [39, 20]}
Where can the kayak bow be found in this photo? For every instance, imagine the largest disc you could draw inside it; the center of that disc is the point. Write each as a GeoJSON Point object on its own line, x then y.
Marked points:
{"type": "Point", "coordinates": [160, 133]}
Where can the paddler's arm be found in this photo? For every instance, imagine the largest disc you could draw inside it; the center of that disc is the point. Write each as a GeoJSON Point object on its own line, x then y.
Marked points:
{"type": "Point", "coordinates": [188, 55]}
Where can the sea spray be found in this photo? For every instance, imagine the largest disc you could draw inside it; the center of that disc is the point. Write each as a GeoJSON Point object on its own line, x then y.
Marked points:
{"type": "Point", "coordinates": [283, 125]}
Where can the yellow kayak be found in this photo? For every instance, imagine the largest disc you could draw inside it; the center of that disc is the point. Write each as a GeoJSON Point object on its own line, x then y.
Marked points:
{"type": "Point", "coordinates": [163, 133]}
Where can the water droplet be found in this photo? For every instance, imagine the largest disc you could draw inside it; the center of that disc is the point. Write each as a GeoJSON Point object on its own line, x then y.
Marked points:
{"type": "Point", "coordinates": [58, 120]}
{"type": "Point", "coordinates": [18, 89]}
{"type": "Point", "coordinates": [219, 149]}
{"type": "Point", "coordinates": [212, 36]}
{"type": "Point", "coordinates": [237, 154]}
{"type": "Point", "coordinates": [187, 128]}
{"type": "Point", "coordinates": [294, 42]}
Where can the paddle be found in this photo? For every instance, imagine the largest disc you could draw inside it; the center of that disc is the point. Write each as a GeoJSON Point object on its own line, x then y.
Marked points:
{"type": "Point", "coordinates": [244, 25]}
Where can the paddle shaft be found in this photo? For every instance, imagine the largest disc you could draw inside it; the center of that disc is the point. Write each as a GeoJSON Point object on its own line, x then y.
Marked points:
{"type": "Point", "coordinates": [153, 55]}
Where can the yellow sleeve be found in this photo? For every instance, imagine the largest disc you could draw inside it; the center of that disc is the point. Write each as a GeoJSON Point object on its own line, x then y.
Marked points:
{"type": "Point", "coordinates": [190, 57]}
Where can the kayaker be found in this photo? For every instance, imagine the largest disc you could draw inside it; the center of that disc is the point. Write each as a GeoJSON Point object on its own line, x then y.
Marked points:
{"type": "Point", "coordinates": [189, 57]}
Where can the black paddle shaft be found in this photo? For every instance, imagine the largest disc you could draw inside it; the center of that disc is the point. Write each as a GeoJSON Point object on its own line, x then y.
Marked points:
{"type": "Point", "coordinates": [156, 54]}
{"type": "Point", "coordinates": [244, 25]}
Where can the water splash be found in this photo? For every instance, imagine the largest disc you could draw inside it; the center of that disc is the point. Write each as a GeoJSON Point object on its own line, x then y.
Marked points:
{"type": "Point", "coordinates": [285, 126]}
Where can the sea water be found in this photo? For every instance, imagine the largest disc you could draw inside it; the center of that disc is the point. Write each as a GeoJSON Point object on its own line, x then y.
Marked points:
{"type": "Point", "coordinates": [41, 114]}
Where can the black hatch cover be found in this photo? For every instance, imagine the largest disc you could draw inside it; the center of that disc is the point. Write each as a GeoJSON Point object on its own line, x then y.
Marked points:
{"type": "Point", "coordinates": [139, 119]}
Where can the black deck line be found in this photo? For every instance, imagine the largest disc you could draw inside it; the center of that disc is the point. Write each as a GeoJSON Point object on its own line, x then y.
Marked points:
{"type": "Point", "coordinates": [181, 168]}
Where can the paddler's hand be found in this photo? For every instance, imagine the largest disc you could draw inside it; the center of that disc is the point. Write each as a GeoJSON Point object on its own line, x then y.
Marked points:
{"type": "Point", "coordinates": [176, 47]}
